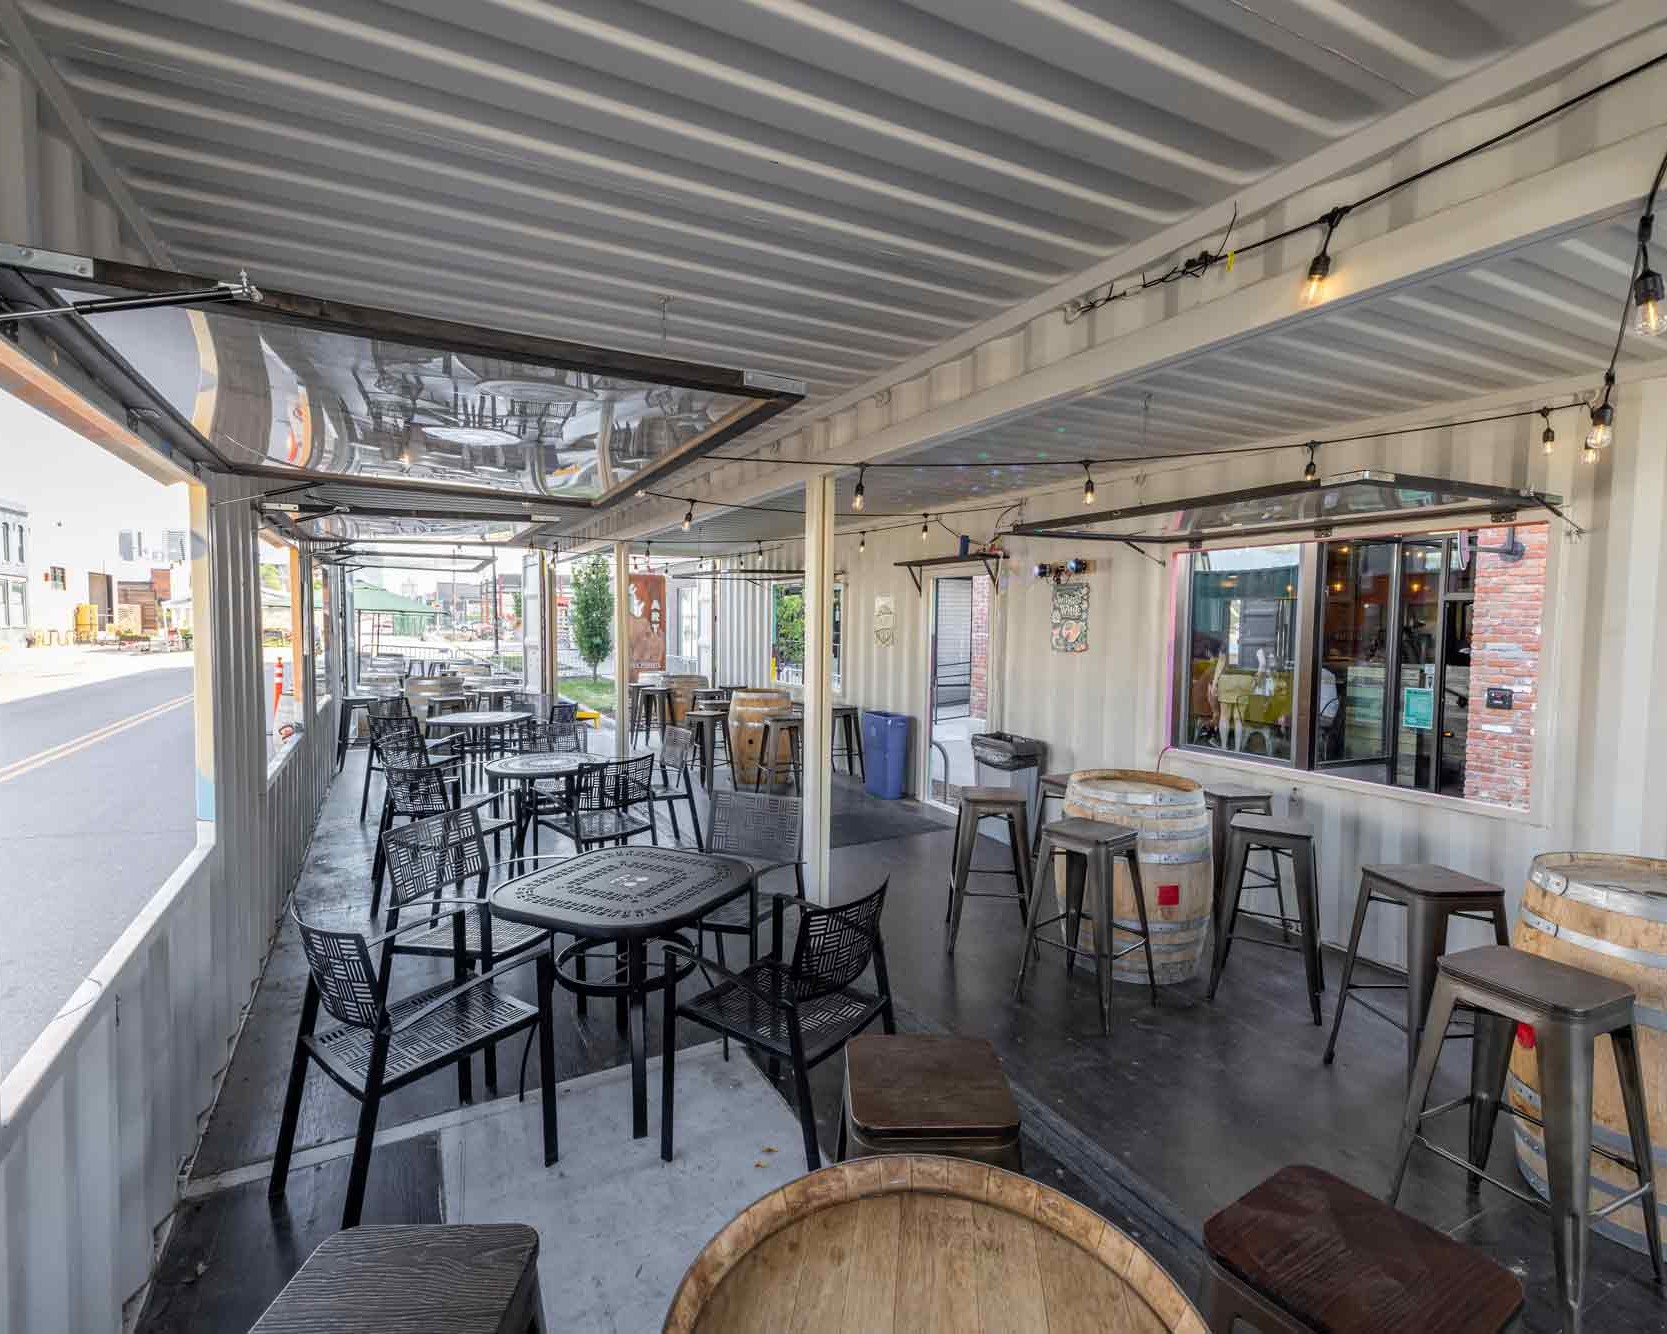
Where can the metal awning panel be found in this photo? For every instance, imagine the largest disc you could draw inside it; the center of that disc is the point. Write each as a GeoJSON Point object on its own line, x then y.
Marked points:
{"type": "Point", "coordinates": [464, 420]}
{"type": "Point", "coordinates": [1364, 497]}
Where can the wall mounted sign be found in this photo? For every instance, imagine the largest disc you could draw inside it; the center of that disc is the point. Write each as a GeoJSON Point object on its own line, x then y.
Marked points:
{"type": "Point", "coordinates": [1068, 620]}
{"type": "Point", "coordinates": [1499, 697]}
{"type": "Point", "coordinates": [885, 619]}
{"type": "Point", "coordinates": [647, 623]}
{"type": "Point", "coordinates": [1418, 707]}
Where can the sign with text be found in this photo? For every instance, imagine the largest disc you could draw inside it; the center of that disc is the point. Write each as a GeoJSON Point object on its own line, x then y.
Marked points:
{"type": "Point", "coordinates": [1418, 707]}
{"type": "Point", "coordinates": [647, 618]}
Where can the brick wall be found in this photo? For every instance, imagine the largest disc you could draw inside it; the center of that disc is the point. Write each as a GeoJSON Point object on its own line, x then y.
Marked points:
{"type": "Point", "coordinates": [981, 591]}
{"type": "Point", "coordinates": [1505, 651]}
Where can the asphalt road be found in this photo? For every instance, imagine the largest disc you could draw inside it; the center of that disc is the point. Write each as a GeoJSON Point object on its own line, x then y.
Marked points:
{"type": "Point", "coordinates": [97, 807]}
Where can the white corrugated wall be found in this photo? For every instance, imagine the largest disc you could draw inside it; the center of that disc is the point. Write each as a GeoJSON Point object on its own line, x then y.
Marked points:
{"type": "Point", "coordinates": [1601, 783]}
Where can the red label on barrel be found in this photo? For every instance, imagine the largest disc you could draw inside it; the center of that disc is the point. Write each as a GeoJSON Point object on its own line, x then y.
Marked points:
{"type": "Point", "coordinates": [1169, 896]}
{"type": "Point", "coordinates": [1525, 1035]}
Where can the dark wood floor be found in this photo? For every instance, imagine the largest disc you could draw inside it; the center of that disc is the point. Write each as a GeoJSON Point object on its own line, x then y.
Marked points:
{"type": "Point", "coordinates": [1182, 1108]}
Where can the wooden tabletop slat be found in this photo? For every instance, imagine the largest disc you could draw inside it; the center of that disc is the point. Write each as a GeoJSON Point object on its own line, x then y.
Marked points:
{"type": "Point", "coordinates": [1007, 1272]}
{"type": "Point", "coordinates": [935, 1292]}
{"type": "Point", "coordinates": [819, 1303]}
{"type": "Point", "coordinates": [871, 1291]}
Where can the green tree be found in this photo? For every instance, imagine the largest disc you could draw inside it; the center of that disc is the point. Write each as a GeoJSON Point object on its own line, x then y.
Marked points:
{"type": "Point", "coordinates": [789, 624]}
{"type": "Point", "coordinates": [593, 611]}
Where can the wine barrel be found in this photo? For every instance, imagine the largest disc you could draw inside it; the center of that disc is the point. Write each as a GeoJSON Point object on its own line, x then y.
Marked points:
{"type": "Point", "coordinates": [1175, 867]}
{"type": "Point", "coordinates": [682, 693]}
{"type": "Point", "coordinates": [747, 711]}
{"type": "Point", "coordinates": [1605, 913]}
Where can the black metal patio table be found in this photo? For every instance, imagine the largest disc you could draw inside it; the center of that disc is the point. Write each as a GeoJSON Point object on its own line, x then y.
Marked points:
{"type": "Point", "coordinates": [484, 727]}
{"type": "Point", "coordinates": [525, 770]}
{"type": "Point", "coordinates": [630, 896]}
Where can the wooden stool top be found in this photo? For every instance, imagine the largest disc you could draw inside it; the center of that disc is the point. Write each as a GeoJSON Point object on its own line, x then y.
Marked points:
{"type": "Point", "coordinates": [992, 796]}
{"type": "Point", "coordinates": [1545, 984]}
{"type": "Point", "coordinates": [1272, 826]}
{"type": "Point", "coordinates": [1338, 1258]}
{"type": "Point", "coordinates": [1431, 882]}
{"type": "Point", "coordinates": [425, 1279]}
{"type": "Point", "coordinates": [1234, 792]}
{"type": "Point", "coordinates": [1085, 833]}
{"type": "Point", "coordinates": [918, 1087]}
{"type": "Point", "coordinates": [917, 1243]}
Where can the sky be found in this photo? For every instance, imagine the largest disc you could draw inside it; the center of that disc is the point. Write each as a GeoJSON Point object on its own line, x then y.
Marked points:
{"type": "Point", "coordinates": [79, 495]}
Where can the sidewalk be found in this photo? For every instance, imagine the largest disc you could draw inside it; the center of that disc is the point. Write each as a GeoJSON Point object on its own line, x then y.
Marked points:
{"type": "Point", "coordinates": [27, 672]}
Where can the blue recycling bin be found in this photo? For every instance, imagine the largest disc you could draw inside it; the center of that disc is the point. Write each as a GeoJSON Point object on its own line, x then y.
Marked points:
{"type": "Point", "coordinates": [885, 746]}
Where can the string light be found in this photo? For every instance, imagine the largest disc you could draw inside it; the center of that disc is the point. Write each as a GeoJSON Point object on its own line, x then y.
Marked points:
{"type": "Point", "coordinates": [1088, 484]}
{"type": "Point", "coordinates": [925, 526]}
{"type": "Point", "coordinates": [689, 517]}
{"type": "Point", "coordinates": [1548, 437]}
{"type": "Point", "coordinates": [1310, 470]}
{"type": "Point", "coordinates": [1313, 287]}
{"type": "Point", "coordinates": [1602, 432]}
{"type": "Point", "coordinates": [1649, 293]}
{"type": "Point", "coordinates": [1588, 454]}
{"type": "Point", "coordinates": [856, 497]}
{"type": "Point", "coordinates": [862, 543]}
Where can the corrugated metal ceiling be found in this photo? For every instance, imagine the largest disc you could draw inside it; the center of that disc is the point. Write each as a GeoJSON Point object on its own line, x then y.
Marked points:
{"type": "Point", "coordinates": [815, 190]}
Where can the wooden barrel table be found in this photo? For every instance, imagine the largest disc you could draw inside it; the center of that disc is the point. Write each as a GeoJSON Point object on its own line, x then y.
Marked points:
{"type": "Point", "coordinates": [1173, 821]}
{"type": "Point", "coordinates": [1605, 913]}
{"type": "Point", "coordinates": [915, 1243]}
{"type": "Point", "coordinates": [682, 689]}
{"type": "Point", "coordinates": [747, 711]}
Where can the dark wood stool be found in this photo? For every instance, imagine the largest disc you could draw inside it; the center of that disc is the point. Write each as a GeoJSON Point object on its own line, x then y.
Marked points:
{"type": "Point", "coordinates": [455, 1278]}
{"type": "Point", "coordinates": [1305, 1251]}
{"type": "Point", "coordinates": [777, 726]}
{"type": "Point", "coordinates": [912, 1093]}
{"type": "Point", "coordinates": [1049, 787]}
{"type": "Point", "coordinates": [1431, 895]}
{"type": "Point", "coordinates": [847, 724]}
{"type": "Point", "coordinates": [1568, 1009]}
{"type": "Point", "coordinates": [979, 804]}
{"type": "Point", "coordinates": [1292, 838]}
{"type": "Point", "coordinates": [1224, 801]}
{"type": "Point", "coordinates": [1089, 846]}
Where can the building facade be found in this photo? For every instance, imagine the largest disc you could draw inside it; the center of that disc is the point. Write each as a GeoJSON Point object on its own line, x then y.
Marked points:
{"type": "Point", "coordinates": [14, 573]}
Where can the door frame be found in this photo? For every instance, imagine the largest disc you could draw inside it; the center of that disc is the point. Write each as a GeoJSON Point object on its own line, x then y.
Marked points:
{"type": "Point", "coordinates": [992, 668]}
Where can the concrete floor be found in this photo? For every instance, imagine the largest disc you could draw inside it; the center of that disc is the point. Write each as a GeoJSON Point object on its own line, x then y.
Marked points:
{"type": "Point", "coordinates": [1178, 1111]}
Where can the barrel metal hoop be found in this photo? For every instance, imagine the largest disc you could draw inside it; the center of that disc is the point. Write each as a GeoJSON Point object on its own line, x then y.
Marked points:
{"type": "Point", "coordinates": [1193, 799]}
{"type": "Point", "coordinates": [1627, 902]}
{"type": "Point", "coordinates": [1159, 926]}
{"type": "Point", "coordinates": [1643, 958]}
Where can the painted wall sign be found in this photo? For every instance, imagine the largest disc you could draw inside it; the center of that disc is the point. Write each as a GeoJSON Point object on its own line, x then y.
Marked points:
{"type": "Point", "coordinates": [885, 619]}
{"type": "Point", "coordinates": [1068, 620]}
{"type": "Point", "coordinates": [648, 623]}
{"type": "Point", "coordinates": [1418, 707]}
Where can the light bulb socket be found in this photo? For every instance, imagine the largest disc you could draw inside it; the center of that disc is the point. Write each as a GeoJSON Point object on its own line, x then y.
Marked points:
{"type": "Point", "coordinates": [1648, 286]}
{"type": "Point", "coordinates": [1319, 268]}
{"type": "Point", "coordinates": [1649, 295]}
{"type": "Point", "coordinates": [689, 517]}
{"type": "Point", "coordinates": [856, 498]}
{"type": "Point", "coordinates": [1087, 486]}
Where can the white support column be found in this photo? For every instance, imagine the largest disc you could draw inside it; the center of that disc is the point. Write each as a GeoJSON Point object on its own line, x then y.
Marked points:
{"type": "Point", "coordinates": [622, 648]}
{"type": "Point", "coordinates": [818, 689]}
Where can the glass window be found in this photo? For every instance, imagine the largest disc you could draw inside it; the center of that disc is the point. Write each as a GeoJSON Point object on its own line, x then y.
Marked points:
{"type": "Point", "coordinates": [1427, 656]}
{"type": "Point", "coordinates": [321, 637]}
{"type": "Point", "coordinates": [5, 541]}
{"type": "Point", "coordinates": [1242, 650]}
{"type": "Point", "coordinates": [280, 645]}
{"type": "Point", "coordinates": [787, 632]}
{"type": "Point", "coordinates": [57, 578]}
{"type": "Point", "coordinates": [20, 556]}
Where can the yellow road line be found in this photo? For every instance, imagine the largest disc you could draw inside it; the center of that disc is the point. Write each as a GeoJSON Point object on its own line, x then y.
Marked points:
{"type": "Point", "coordinates": [29, 763]}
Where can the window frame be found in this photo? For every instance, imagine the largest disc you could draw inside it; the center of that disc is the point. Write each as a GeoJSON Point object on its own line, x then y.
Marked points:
{"type": "Point", "coordinates": [1309, 613]}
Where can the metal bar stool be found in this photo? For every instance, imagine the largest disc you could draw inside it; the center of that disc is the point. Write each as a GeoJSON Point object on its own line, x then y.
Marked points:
{"type": "Point", "coordinates": [777, 726]}
{"type": "Point", "coordinates": [1049, 787]}
{"type": "Point", "coordinates": [1568, 1009]}
{"type": "Point", "coordinates": [1292, 838]}
{"type": "Point", "coordinates": [847, 720]}
{"type": "Point", "coordinates": [1089, 846]}
{"type": "Point", "coordinates": [1431, 895]}
{"type": "Point", "coordinates": [1225, 800]}
{"type": "Point", "coordinates": [977, 805]}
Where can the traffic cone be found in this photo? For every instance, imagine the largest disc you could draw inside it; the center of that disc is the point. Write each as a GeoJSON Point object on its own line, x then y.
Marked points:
{"type": "Point", "coordinates": [277, 688]}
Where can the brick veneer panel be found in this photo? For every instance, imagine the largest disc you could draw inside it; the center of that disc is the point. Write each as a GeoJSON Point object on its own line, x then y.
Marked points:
{"type": "Point", "coordinates": [1505, 651]}
{"type": "Point", "coordinates": [980, 706]}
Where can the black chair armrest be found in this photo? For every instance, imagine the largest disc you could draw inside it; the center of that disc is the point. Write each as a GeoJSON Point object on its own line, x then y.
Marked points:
{"type": "Point", "coordinates": [706, 965]}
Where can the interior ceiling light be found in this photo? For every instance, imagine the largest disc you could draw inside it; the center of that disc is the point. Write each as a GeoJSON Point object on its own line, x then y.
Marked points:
{"type": "Point", "coordinates": [1548, 437]}
{"type": "Point", "coordinates": [856, 498]}
{"type": "Point", "coordinates": [1311, 470]}
{"type": "Point", "coordinates": [1313, 287]}
{"type": "Point", "coordinates": [1087, 485]}
{"type": "Point", "coordinates": [1649, 293]}
{"type": "Point", "coordinates": [1602, 432]}
{"type": "Point", "coordinates": [689, 517]}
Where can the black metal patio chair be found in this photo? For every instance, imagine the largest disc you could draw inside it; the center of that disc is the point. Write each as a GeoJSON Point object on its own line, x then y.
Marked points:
{"type": "Point", "coordinates": [676, 783]}
{"type": "Point", "coordinates": [392, 728]}
{"type": "Point", "coordinates": [612, 804]}
{"type": "Point", "coordinates": [563, 724]}
{"type": "Point", "coordinates": [765, 832]}
{"type": "Point", "coordinates": [801, 1008]}
{"type": "Point", "coordinates": [416, 793]}
{"type": "Point", "coordinates": [378, 1046]}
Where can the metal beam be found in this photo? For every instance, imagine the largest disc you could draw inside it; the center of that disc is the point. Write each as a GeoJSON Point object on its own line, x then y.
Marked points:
{"type": "Point", "coordinates": [818, 685]}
